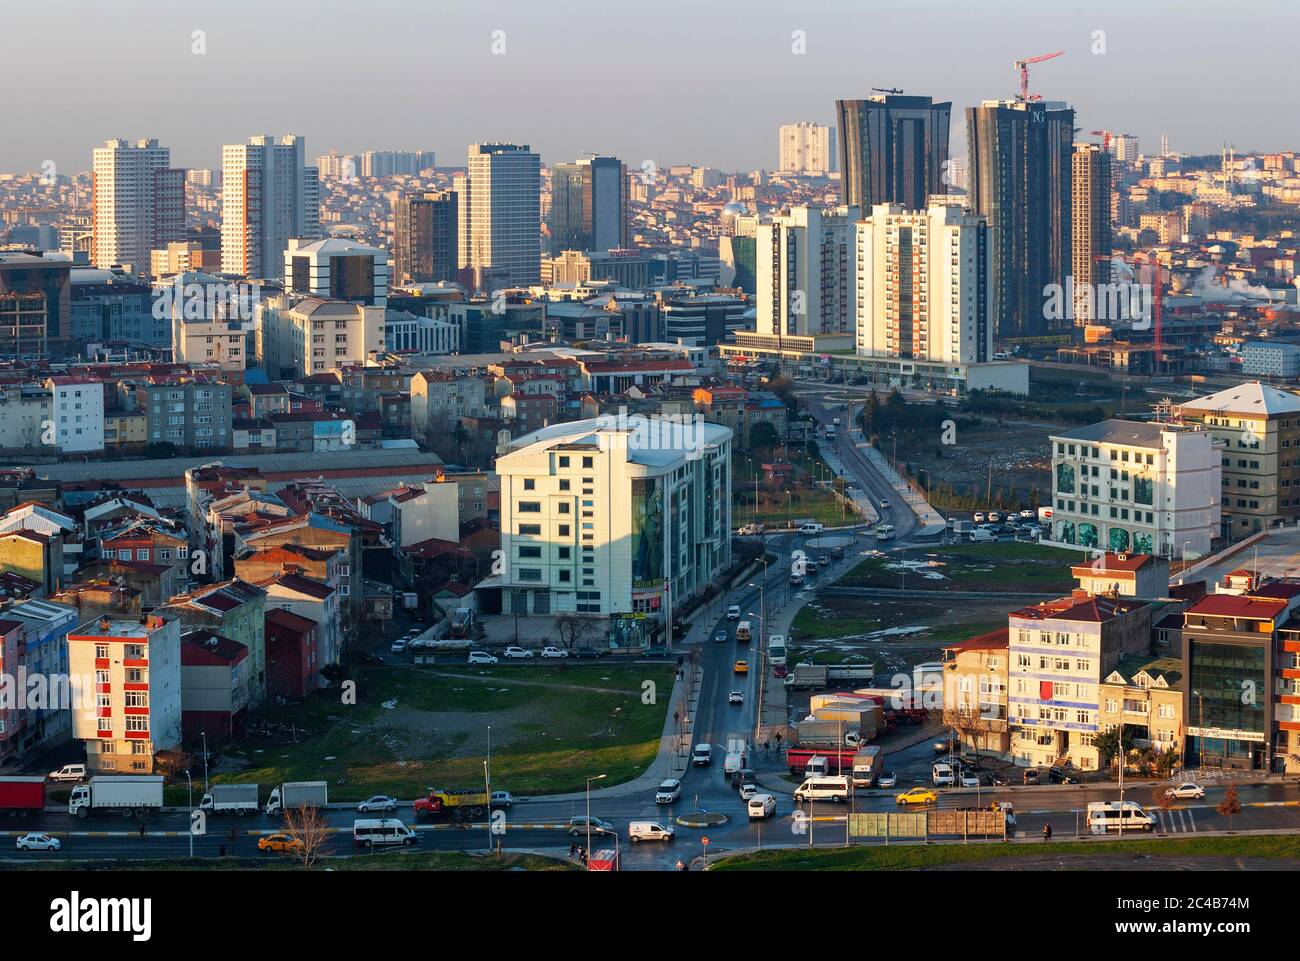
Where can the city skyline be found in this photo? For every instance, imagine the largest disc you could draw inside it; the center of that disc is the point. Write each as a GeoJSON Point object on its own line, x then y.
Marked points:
{"type": "Point", "coordinates": [762, 83]}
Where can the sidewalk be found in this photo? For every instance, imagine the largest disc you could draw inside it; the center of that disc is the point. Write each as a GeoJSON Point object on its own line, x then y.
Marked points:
{"type": "Point", "coordinates": [911, 495]}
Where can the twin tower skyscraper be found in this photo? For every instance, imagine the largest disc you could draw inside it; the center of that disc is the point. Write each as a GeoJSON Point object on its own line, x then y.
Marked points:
{"type": "Point", "coordinates": [894, 149]}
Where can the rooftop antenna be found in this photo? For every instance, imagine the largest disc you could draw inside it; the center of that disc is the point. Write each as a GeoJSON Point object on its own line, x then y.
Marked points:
{"type": "Point", "coordinates": [886, 90]}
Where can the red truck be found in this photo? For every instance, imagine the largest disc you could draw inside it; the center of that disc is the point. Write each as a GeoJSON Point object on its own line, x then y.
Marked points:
{"type": "Point", "coordinates": [458, 805]}
{"type": "Point", "coordinates": [839, 760]}
{"type": "Point", "coordinates": [22, 795]}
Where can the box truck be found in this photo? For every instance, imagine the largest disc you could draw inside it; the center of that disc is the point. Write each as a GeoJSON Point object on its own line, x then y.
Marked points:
{"type": "Point", "coordinates": [20, 794]}
{"type": "Point", "coordinates": [298, 794]}
{"type": "Point", "coordinates": [230, 799]}
{"type": "Point", "coordinates": [130, 795]}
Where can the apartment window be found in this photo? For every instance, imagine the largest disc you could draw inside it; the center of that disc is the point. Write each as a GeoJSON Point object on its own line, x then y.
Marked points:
{"type": "Point", "coordinates": [563, 508]}
{"type": "Point", "coordinates": [564, 462]}
{"type": "Point", "coordinates": [137, 724]}
{"type": "Point", "coordinates": [564, 553]}
{"type": "Point", "coordinates": [530, 507]}
{"type": "Point", "coordinates": [101, 650]}
{"type": "Point", "coordinates": [530, 551]}
{"type": "Point", "coordinates": [529, 574]}
{"type": "Point", "coordinates": [564, 485]}
{"type": "Point", "coordinates": [563, 530]}
{"type": "Point", "coordinates": [529, 484]}
{"type": "Point", "coordinates": [588, 463]}
{"type": "Point", "coordinates": [137, 698]}
{"type": "Point", "coordinates": [533, 530]}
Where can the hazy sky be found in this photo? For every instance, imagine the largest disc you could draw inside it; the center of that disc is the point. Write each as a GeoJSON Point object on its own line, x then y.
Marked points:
{"type": "Point", "coordinates": [679, 81]}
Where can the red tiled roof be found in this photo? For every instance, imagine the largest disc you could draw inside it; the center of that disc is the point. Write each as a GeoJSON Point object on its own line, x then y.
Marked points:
{"type": "Point", "coordinates": [1238, 605]}
{"type": "Point", "coordinates": [1112, 562]}
{"type": "Point", "coordinates": [289, 620]}
{"type": "Point", "coordinates": [994, 640]}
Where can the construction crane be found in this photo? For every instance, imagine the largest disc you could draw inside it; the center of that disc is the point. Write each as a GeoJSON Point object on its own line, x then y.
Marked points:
{"type": "Point", "coordinates": [885, 90]}
{"type": "Point", "coordinates": [1023, 67]}
{"type": "Point", "coordinates": [1105, 138]}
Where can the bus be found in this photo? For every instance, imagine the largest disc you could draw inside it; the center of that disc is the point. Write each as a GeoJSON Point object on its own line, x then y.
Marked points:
{"type": "Point", "coordinates": [885, 532]}
{"type": "Point", "coordinates": [371, 832]}
{"type": "Point", "coordinates": [1106, 816]}
{"type": "Point", "coordinates": [776, 650]}
{"type": "Point", "coordinates": [743, 632]}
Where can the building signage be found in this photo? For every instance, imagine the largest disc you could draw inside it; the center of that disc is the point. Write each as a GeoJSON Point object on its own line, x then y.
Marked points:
{"type": "Point", "coordinates": [1226, 735]}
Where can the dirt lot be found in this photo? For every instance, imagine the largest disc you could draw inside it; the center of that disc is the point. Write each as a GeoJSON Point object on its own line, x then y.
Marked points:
{"type": "Point", "coordinates": [1012, 567]}
{"type": "Point", "coordinates": [1017, 453]}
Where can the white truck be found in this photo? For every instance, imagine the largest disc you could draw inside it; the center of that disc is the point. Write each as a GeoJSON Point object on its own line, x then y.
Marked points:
{"type": "Point", "coordinates": [129, 795]}
{"type": "Point", "coordinates": [298, 794]}
{"type": "Point", "coordinates": [230, 799]}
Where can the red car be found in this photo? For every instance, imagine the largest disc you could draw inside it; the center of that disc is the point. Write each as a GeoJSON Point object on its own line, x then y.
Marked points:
{"type": "Point", "coordinates": [780, 671]}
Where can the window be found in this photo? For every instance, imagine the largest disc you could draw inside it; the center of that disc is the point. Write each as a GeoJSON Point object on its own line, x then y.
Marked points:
{"type": "Point", "coordinates": [529, 574]}
{"type": "Point", "coordinates": [529, 484]}
{"type": "Point", "coordinates": [137, 724]}
{"type": "Point", "coordinates": [588, 463]}
{"type": "Point", "coordinates": [564, 462]}
{"type": "Point", "coordinates": [530, 551]}
{"type": "Point", "coordinates": [563, 530]}
{"type": "Point", "coordinates": [530, 529]}
{"type": "Point", "coordinates": [530, 507]}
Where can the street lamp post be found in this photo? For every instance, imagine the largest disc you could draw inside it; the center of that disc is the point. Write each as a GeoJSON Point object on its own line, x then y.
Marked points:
{"type": "Point", "coordinates": [597, 777]}
{"type": "Point", "coordinates": [206, 789]}
{"type": "Point", "coordinates": [190, 785]}
{"type": "Point", "coordinates": [1200, 738]}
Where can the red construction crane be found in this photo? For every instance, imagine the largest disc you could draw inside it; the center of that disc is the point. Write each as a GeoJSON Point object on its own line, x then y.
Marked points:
{"type": "Point", "coordinates": [1023, 67]}
{"type": "Point", "coordinates": [1105, 138]}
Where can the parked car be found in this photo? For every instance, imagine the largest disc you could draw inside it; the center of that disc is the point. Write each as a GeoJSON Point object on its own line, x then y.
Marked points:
{"type": "Point", "coordinates": [501, 799]}
{"type": "Point", "coordinates": [579, 825]}
{"type": "Point", "coordinates": [284, 843]}
{"type": "Point", "coordinates": [1186, 790]}
{"type": "Point", "coordinates": [513, 652]}
{"type": "Point", "coordinates": [1027, 514]}
{"type": "Point", "coordinates": [1031, 776]}
{"type": "Point", "coordinates": [736, 697]}
{"type": "Point", "coordinates": [970, 780]}
{"type": "Point", "coordinates": [887, 779]}
{"type": "Point", "coordinates": [917, 795]}
{"type": "Point", "coordinates": [554, 652]}
{"type": "Point", "coordinates": [398, 646]}
{"type": "Point", "coordinates": [380, 802]}
{"type": "Point", "coordinates": [1059, 775]}
{"type": "Point", "coordinates": [370, 657]}
{"type": "Point", "coordinates": [38, 842]}
{"type": "Point", "coordinates": [669, 791]}
{"type": "Point", "coordinates": [978, 517]}
{"type": "Point", "coordinates": [69, 772]}
{"type": "Point", "coordinates": [481, 657]}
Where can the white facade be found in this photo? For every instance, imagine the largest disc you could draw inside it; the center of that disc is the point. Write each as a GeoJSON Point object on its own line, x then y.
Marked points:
{"type": "Point", "coordinates": [805, 264]}
{"type": "Point", "coordinates": [314, 336]}
{"type": "Point", "coordinates": [210, 319]}
{"type": "Point", "coordinates": [1262, 359]}
{"type": "Point", "coordinates": [805, 149]}
{"type": "Point", "coordinates": [604, 517]}
{"type": "Point", "coordinates": [1127, 486]}
{"type": "Point", "coordinates": [320, 256]}
{"type": "Point", "coordinates": [923, 287]}
{"type": "Point", "coordinates": [125, 191]}
{"type": "Point", "coordinates": [134, 666]}
{"type": "Point", "coordinates": [268, 195]}
{"type": "Point", "coordinates": [500, 211]}
{"type": "Point", "coordinates": [77, 413]}
{"type": "Point", "coordinates": [406, 333]}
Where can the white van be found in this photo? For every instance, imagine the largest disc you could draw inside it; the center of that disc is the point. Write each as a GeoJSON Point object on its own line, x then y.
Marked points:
{"type": "Point", "coordinates": [942, 775]}
{"type": "Point", "coordinates": [702, 756]}
{"type": "Point", "coordinates": [776, 650]}
{"type": "Point", "coordinates": [1106, 816]}
{"type": "Point", "coordinates": [817, 766]}
{"type": "Point", "coordinates": [372, 832]}
{"type": "Point", "coordinates": [981, 535]}
{"type": "Point", "coordinates": [733, 613]}
{"type": "Point", "coordinates": [825, 788]}
{"type": "Point", "coordinates": [761, 807]}
{"type": "Point", "coordinates": [733, 763]}
{"type": "Point", "coordinates": [811, 528]}
{"type": "Point", "coordinates": [649, 831]}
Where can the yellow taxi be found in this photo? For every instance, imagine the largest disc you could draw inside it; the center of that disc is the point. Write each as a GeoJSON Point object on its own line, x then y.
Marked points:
{"type": "Point", "coordinates": [917, 795]}
{"type": "Point", "coordinates": [742, 667]}
{"type": "Point", "coordinates": [279, 842]}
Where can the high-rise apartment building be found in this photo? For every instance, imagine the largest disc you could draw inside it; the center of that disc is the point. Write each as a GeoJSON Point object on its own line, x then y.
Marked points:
{"type": "Point", "coordinates": [1021, 160]}
{"type": "Point", "coordinates": [424, 238]}
{"type": "Point", "coordinates": [337, 269]}
{"type": "Point", "coordinates": [923, 286]}
{"type": "Point", "coordinates": [389, 163]}
{"type": "Point", "coordinates": [892, 150]}
{"type": "Point", "coordinates": [35, 304]}
{"type": "Point", "coordinates": [589, 210]}
{"type": "Point", "coordinates": [500, 211]}
{"type": "Point", "coordinates": [139, 202]}
{"type": "Point", "coordinates": [805, 272]}
{"type": "Point", "coordinates": [1090, 245]}
{"type": "Point", "coordinates": [1124, 147]}
{"type": "Point", "coordinates": [268, 196]}
{"type": "Point", "coordinates": [805, 149]}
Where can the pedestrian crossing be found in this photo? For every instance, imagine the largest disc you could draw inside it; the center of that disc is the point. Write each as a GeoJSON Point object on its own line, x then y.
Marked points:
{"type": "Point", "coordinates": [1177, 821]}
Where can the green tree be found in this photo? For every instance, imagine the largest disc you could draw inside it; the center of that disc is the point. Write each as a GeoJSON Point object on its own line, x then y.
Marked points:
{"type": "Point", "coordinates": [1108, 744]}
{"type": "Point", "coordinates": [763, 436]}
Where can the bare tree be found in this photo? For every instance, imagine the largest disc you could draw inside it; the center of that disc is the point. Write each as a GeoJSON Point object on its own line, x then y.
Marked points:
{"type": "Point", "coordinates": [572, 629]}
{"type": "Point", "coordinates": [307, 826]}
{"type": "Point", "coordinates": [1230, 806]}
{"type": "Point", "coordinates": [1162, 801]}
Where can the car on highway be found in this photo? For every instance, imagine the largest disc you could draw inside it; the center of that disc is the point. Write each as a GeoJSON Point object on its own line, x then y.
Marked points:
{"type": "Point", "coordinates": [811, 528]}
{"type": "Point", "coordinates": [398, 646]}
{"type": "Point", "coordinates": [38, 842]}
{"type": "Point", "coordinates": [380, 802]}
{"type": "Point", "coordinates": [741, 667]}
{"type": "Point", "coordinates": [702, 756]}
{"type": "Point", "coordinates": [69, 772]}
{"type": "Point", "coordinates": [884, 505]}
{"type": "Point", "coordinates": [514, 652]}
{"type": "Point", "coordinates": [720, 637]}
{"type": "Point", "coordinates": [501, 799]}
{"type": "Point", "coordinates": [669, 791]}
{"type": "Point", "coordinates": [750, 529]}
{"type": "Point", "coordinates": [481, 657]}
{"type": "Point", "coordinates": [917, 795]}
{"type": "Point", "coordinates": [748, 790]}
{"type": "Point", "coordinates": [736, 697]}
{"type": "Point", "coordinates": [887, 779]}
{"type": "Point", "coordinates": [781, 670]}
{"type": "Point", "coordinates": [1186, 790]}
{"type": "Point", "coordinates": [554, 652]}
{"type": "Point", "coordinates": [760, 807]}
{"type": "Point", "coordinates": [284, 843]}
{"type": "Point", "coordinates": [579, 825]}
{"type": "Point", "coordinates": [733, 612]}
{"type": "Point", "coordinates": [649, 831]}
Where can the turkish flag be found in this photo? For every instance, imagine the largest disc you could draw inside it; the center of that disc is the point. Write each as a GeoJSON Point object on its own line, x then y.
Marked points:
{"type": "Point", "coordinates": [1044, 690]}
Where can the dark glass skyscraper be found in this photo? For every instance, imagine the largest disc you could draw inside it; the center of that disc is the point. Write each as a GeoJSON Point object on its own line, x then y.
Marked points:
{"type": "Point", "coordinates": [892, 150]}
{"type": "Point", "coordinates": [589, 208]}
{"type": "Point", "coordinates": [424, 238]}
{"type": "Point", "coordinates": [1020, 176]}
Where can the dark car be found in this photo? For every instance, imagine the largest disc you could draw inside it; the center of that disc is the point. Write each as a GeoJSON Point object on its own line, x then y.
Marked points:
{"type": "Point", "coordinates": [1031, 776]}
{"type": "Point", "coordinates": [780, 671]}
{"type": "Point", "coordinates": [1059, 775]}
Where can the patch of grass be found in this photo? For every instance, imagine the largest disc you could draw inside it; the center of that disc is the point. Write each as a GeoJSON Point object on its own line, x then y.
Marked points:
{"type": "Point", "coordinates": [388, 861]}
{"type": "Point", "coordinates": [581, 720]}
{"type": "Point", "coordinates": [902, 857]}
{"type": "Point", "coordinates": [1009, 567]}
{"type": "Point", "coordinates": [952, 633]}
{"type": "Point", "coordinates": [813, 622]}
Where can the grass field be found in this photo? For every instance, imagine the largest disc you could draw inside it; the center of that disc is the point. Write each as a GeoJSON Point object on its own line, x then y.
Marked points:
{"type": "Point", "coordinates": [1010, 567]}
{"type": "Point", "coordinates": [904, 857]}
{"type": "Point", "coordinates": [411, 729]}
